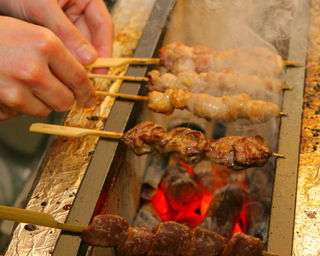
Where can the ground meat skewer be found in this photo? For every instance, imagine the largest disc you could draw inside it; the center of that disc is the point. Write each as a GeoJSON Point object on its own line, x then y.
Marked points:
{"type": "Point", "coordinates": [192, 146]}
{"type": "Point", "coordinates": [167, 239]}
{"type": "Point", "coordinates": [225, 108]}
{"type": "Point", "coordinates": [215, 83]}
{"type": "Point", "coordinates": [257, 61]}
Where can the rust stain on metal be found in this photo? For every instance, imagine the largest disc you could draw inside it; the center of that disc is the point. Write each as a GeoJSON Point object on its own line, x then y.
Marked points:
{"type": "Point", "coordinates": [307, 222]}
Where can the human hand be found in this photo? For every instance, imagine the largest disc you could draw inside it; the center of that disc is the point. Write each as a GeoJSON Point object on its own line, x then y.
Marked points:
{"type": "Point", "coordinates": [38, 74]}
{"type": "Point", "coordinates": [84, 26]}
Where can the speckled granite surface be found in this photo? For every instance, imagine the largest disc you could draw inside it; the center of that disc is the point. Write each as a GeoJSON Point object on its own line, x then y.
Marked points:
{"type": "Point", "coordinates": [307, 222]}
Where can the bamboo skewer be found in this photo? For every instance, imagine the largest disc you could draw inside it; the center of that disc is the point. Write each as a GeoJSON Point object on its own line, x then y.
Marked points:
{"type": "Point", "coordinates": [71, 131]}
{"type": "Point", "coordinates": [293, 63]}
{"type": "Point", "coordinates": [122, 95]}
{"type": "Point", "coordinates": [36, 218]}
{"type": "Point", "coordinates": [115, 62]}
{"type": "Point", "coordinates": [127, 78]}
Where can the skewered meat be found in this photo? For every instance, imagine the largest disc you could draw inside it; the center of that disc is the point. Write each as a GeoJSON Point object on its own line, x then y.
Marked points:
{"type": "Point", "coordinates": [106, 230]}
{"type": "Point", "coordinates": [170, 238]}
{"type": "Point", "coordinates": [225, 108]}
{"type": "Point", "coordinates": [166, 239]}
{"type": "Point", "coordinates": [215, 83]}
{"type": "Point", "coordinates": [138, 242]}
{"type": "Point", "coordinates": [224, 210]}
{"type": "Point", "coordinates": [257, 61]}
{"type": "Point", "coordinates": [241, 244]}
{"type": "Point", "coordinates": [234, 152]}
{"type": "Point", "coordinates": [237, 152]}
{"type": "Point", "coordinates": [205, 243]}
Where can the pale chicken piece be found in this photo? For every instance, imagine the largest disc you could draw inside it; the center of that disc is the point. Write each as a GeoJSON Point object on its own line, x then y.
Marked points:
{"type": "Point", "coordinates": [257, 61]}
{"type": "Point", "coordinates": [225, 108]}
{"type": "Point", "coordinates": [215, 83]}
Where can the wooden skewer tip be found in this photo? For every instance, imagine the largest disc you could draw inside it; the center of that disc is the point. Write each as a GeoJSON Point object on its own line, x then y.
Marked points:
{"type": "Point", "coordinates": [286, 87]}
{"type": "Point", "coordinates": [278, 155]}
{"type": "Point", "coordinates": [293, 63]}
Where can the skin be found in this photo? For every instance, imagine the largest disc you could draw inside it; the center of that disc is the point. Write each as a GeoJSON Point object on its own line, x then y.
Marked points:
{"type": "Point", "coordinates": [42, 63]}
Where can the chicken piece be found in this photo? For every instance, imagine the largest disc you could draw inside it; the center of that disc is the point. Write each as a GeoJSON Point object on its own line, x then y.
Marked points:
{"type": "Point", "coordinates": [224, 210]}
{"type": "Point", "coordinates": [225, 108]}
{"type": "Point", "coordinates": [190, 144]}
{"type": "Point", "coordinates": [215, 83]}
{"type": "Point", "coordinates": [168, 101]}
{"type": "Point", "coordinates": [257, 61]}
{"type": "Point", "coordinates": [205, 243]}
{"type": "Point", "coordinates": [138, 242]}
{"type": "Point", "coordinates": [238, 152]}
{"type": "Point", "coordinates": [106, 230]}
{"type": "Point", "coordinates": [170, 239]}
{"type": "Point", "coordinates": [145, 138]}
{"type": "Point", "coordinates": [243, 245]}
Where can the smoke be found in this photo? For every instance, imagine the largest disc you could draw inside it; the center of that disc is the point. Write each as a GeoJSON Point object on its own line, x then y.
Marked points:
{"type": "Point", "coordinates": [268, 19]}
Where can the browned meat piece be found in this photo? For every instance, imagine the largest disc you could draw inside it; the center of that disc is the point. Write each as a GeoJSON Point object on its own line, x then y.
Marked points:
{"type": "Point", "coordinates": [215, 83]}
{"type": "Point", "coordinates": [181, 191]}
{"type": "Point", "coordinates": [106, 230]}
{"type": "Point", "coordinates": [171, 239]}
{"type": "Point", "coordinates": [238, 152]}
{"type": "Point", "coordinates": [189, 143]}
{"type": "Point", "coordinates": [205, 243]}
{"type": "Point", "coordinates": [225, 108]}
{"type": "Point", "coordinates": [257, 61]}
{"type": "Point", "coordinates": [145, 138]}
{"type": "Point", "coordinates": [235, 152]}
{"type": "Point", "coordinates": [224, 210]}
{"type": "Point", "coordinates": [138, 242]}
{"type": "Point", "coordinates": [243, 245]}
{"type": "Point", "coordinates": [168, 101]}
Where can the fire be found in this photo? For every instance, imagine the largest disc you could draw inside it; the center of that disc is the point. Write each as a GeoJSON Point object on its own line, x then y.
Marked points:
{"type": "Point", "coordinates": [193, 213]}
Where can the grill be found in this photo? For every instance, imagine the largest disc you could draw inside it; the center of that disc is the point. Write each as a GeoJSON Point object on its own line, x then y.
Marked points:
{"type": "Point", "coordinates": [101, 176]}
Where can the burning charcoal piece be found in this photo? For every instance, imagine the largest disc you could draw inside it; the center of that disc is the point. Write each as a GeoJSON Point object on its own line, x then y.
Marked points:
{"type": "Point", "coordinates": [106, 230]}
{"type": "Point", "coordinates": [238, 152]}
{"type": "Point", "coordinates": [203, 175]}
{"type": "Point", "coordinates": [145, 138]}
{"type": "Point", "coordinates": [224, 210]}
{"type": "Point", "coordinates": [205, 243]}
{"type": "Point", "coordinates": [243, 245]}
{"type": "Point", "coordinates": [180, 189]}
{"type": "Point", "coordinates": [171, 239]}
{"type": "Point", "coordinates": [138, 242]}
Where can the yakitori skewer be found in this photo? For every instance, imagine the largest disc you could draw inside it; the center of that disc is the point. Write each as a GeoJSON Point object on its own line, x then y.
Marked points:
{"type": "Point", "coordinates": [115, 62]}
{"type": "Point", "coordinates": [127, 78]}
{"type": "Point", "coordinates": [168, 238]}
{"type": "Point", "coordinates": [225, 108]}
{"type": "Point", "coordinates": [114, 231]}
{"type": "Point", "coordinates": [192, 146]}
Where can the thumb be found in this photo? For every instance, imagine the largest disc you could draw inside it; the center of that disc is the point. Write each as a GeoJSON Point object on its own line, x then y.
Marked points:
{"type": "Point", "coordinates": [60, 24]}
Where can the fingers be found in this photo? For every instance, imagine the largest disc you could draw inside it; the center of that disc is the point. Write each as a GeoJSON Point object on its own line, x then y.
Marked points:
{"type": "Point", "coordinates": [100, 24]}
{"type": "Point", "coordinates": [17, 99]}
{"type": "Point", "coordinates": [72, 74]}
{"type": "Point", "coordinates": [55, 19]}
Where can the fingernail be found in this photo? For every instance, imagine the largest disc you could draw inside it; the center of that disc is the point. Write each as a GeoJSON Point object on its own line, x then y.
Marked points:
{"type": "Point", "coordinates": [86, 53]}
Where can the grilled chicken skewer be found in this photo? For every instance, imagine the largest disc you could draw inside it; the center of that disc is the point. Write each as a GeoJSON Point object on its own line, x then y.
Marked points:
{"type": "Point", "coordinates": [257, 61]}
{"type": "Point", "coordinates": [225, 108]}
{"type": "Point", "coordinates": [215, 83]}
{"type": "Point", "coordinates": [168, 238]}
{"type": "Point", "coordinates": [235, 152]}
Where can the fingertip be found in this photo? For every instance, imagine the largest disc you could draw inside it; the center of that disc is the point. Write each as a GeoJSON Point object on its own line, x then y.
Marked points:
{"type": "Point", "coordinates": [86, 54]}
